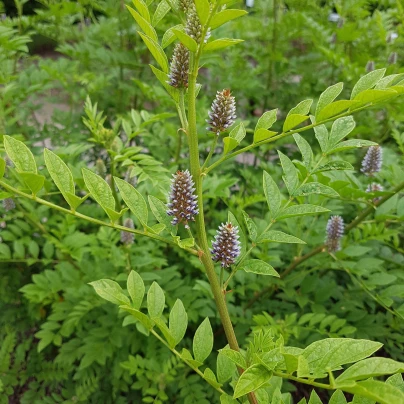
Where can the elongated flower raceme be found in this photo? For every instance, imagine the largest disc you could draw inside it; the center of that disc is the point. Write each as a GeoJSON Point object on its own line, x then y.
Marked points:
{"type": "Point", "coordinates": [372, 162]}
{"type": "Point", "coordinates": [193, 26]}
{"type": "Point", "coordinates": [335, 231]}
{"type": "Point", "coordinates": [179, 66]}
{"type": "Point", "coordinates": [182, 202]}
{"type": "Point", "coordinates": [226, 245]}
{"type": "Point", "coordinates": [222, 112]}
{"type": "Point", "coordinates": [128, 238]}
{"type": "Point", "coordinates": [375, 187]}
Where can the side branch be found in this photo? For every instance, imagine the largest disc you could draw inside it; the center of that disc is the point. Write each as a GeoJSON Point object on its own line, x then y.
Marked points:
{"type": "Point", "coordinates": [91, 219]}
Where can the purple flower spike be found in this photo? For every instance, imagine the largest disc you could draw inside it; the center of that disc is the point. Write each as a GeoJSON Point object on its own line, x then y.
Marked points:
{"type": "Point", "coordinates": [226, 245]}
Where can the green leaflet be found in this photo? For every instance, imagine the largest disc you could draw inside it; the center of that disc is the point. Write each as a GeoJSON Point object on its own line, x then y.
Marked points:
{"type": "Point", "coordinates": [178, 322]}
{"type": "Point", "coordinates": [290, 173]}
{"type": "Point", "coordinates": [258, 267]}
{"type": "Point", "coordinates": [186, 40]}
{"type": "Point", "coordinates": [367, 81]}
{"type": "Point", "coordinates": [272, 194]}
{"type": "Point", "coordinates": [225, 16]}
{"type": "Point", "coordinates": [221, 44]}
{"type": "Point", "coordinates": [20, 155]}
{"type": "Point", "coordinates": [133, 199]}
{"type": "Point", "coordinates": [155, 301]}
{"type": "Point", "coordinates": [203, 341]}
{"type": "Point", "coordinates": [136, 289]}
{"type": "Point", "coordinates": [252, 379]}
{"type": "Point", "coordinates": [274, 236]}
{"type": "Point", "coordinates": [328, 96]}
{"type": "Point", "coordinates": [110, 290]}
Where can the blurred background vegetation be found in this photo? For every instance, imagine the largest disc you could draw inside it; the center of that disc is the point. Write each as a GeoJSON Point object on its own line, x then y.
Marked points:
{"type": "Point", "coordinates": [60, 342]}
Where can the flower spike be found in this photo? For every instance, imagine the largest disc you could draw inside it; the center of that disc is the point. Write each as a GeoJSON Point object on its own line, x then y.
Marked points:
{"type": "Point", "coordinates": [226, 245]}
{"type": "Point", "coordinates": [335, 231]}
{"type": "Point", "coordinates": [182, 202]}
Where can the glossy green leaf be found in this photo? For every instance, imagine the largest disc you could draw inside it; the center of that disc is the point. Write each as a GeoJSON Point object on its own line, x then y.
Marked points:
{"type": "Point", "coordinates": [370, 367]}
{"type": "Point", "coordinates": [203, 10]}
{"type": "Point", "coordinates": [258, 267]}
{"type": "Point", "coordinates": [341, 128]}
{"type": "Point", "coordinates": [203, 341]}
{"type": "Point", "coordinates": [303, 108]}
{"type": "Point", "coordinates": [157, 52]}
{"type": "Point", "coordinates": [186, 40]}
{"type": "Point", "coordinates": [305, 149]}
{"type": "Point", "coordinates": [328, 96]}
{"type": "Point", "coordinates": [314, 398]}
{"type": "Point", "coordinates": [224, 16]}
{"type": "Point", "coordinates": [238, 132]}
{"type": "Point", "coordinates": [266, 120]}
{"type": "Point", "coordinates": [252, 379]}
{"type": "Point", "coordinates": [142, 8]}
{"type": "Point", "coordinates": [338, 398]}
{"type": "Point", "coordinates": [221, 44]}
{"type": "Point", "coordinates": [162, 9]}
{"type": "Point", "coordinates": [99, 189]}
{"type": "Point", "coordinates": [293, 120]}
{"type": "Point", "coordinates": [301, 210]}
{"type": "Point", "coordinates": [162, 78]}
{"type": "Point", "coordinates": [235, 356]}
{"type": "Point", "coordinates": [145, 320]}
{"type": "Point", "coordinates": [135, 288]}
{"type": "Point", "coordinates": [133, 199]}
{"type": "Point", "coordinates": [337, 165]}
{"type": "Point", "coordinates": [375, 96]}
{"type": "Point", "coordinates": [272, 194]}
{"type": "Point", "coordinates": [381, 392]}
{"type": "Point", "coordinates": [321, 134]}
{"type": "Point", "coordinates": [367, 81]}
{"type": "Point", "coordinates": [263, 134]}
{"type": "Point", "coordinates": [351, 144]}
{"type": "Point", "coordinates": [334, 109]}
{"type": "Point", "coordinates": [274, 236]}
{"type": "Point", "coordinates": [178, 321]}
{"type": "Point", "coordinates": [61, 174]}
{"type": "Point", "coordinates": [251, 226]}
{"type": "Point", "coordinates": [33, 181]}
{"type": "Point", "coordinates": [20, 155]}
{"type": "Point", "coordinates": [144, 25]}
{"type": "Point", "coordinates": [316, 188]}
{"type": "Point", "coordinates": [159, 210]}
{"type": "Point", "coordinates": [225, 368]}
{"type": "Point", "coordinates": [290, 176]}
{"type": "Point", "coordinates": [229, 144]}
{"type": "Point", "coordinates": [110, 290]}
{"type": "Point", "coordinates": [169, 37]}
{"type": "Point", "coordinates": [331, 353]}
{"type": "Point", "coordinates": [155, 301]}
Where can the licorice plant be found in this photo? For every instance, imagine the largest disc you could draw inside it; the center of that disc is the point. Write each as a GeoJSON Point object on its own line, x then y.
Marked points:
{"type": "Point", "coordinates": [242, 375]}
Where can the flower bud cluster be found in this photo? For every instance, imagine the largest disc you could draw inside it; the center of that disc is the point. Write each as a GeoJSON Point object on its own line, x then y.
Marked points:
{"type": "Point", "coordinates": [182, 202]}
{"type": "Point", "coordinates": [372, 162]}
{"type": "Point", "coordinates": [128, 238]}
{"type": "Point", "coordinates": [222, 113]}
{"type": "Point", "coordinates": [335, 231]}
{"type": "Point", "coordinates": [226, 245]}
{"type": "Point", "coordinates": [179, 67]}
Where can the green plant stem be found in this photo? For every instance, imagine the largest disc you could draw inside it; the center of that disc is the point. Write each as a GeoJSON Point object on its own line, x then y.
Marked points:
{"type": "Point", "coordinates": [195, 369]}
{"type": "Point", "coordinates": [280, 136]}
{"type": "Point", "coordinates": [305, 381]}
{"type": "Point", "coordinates": [90, 219]}
{"type": "Point", "coordinates": [359, 219]}
{"type": "Point", "coordinates": [113, 186]}
{"type": "Point", "coordinates": [200, 218]}
{"type": "Point", "coordinates": [211, 151]}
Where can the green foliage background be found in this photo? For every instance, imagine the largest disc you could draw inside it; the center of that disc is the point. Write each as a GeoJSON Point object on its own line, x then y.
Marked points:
{"type": "Point", "coordinates": [68, 61]}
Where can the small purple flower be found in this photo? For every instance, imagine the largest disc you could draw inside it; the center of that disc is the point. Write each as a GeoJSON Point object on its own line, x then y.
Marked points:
{"type": "Point", "coordinates": [375, 187]}
{"type": "Point", "coordinates": [335, 231]}
{"type": "Point", "coordinates": [372, 162]}
{"type": "Point", "coordinates": [128, 238]}
{"type": "Point", "coordinates": [179, 66]}
{"type": "Point", "coordinates": [226, 245]}
{"type": "Point", "coordinates": [182, 202]}
{"type": "Point", "coordinates": [222, 112]}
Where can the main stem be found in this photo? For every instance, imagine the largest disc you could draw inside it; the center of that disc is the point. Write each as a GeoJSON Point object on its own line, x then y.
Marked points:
{"type": "Point", "coordinates": [200, 218]}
